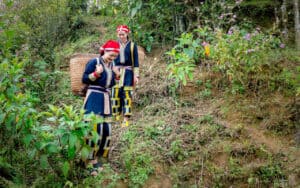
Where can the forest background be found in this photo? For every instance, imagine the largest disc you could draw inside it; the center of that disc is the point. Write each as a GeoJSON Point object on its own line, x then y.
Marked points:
{"type": "Point", "coordinates": [218, 103]}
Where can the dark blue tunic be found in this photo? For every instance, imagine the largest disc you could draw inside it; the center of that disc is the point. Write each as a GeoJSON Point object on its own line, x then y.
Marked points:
{"type": "Point", "coordinates": [96, 99]}
{"type": "Point", "coordinates": [128, 79]}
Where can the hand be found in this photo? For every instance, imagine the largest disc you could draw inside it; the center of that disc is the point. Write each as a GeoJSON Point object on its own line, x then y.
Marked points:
{"type": "Point", "coordinates": [136, 80]}
{"type": "Point", "coordinates": [116, 71]}
{"type": "Point", "coordinates": [99, 69]}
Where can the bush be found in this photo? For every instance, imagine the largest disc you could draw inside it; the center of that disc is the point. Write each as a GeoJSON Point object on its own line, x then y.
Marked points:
{"type": "Point", "coordinates": [246, 61]}
{"type": "Point", "coordinates": [46, 32]}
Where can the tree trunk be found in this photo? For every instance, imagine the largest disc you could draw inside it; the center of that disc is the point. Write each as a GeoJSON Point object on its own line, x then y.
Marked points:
{"type": "Point", "coordinates": [276, 24]}
{"type": "Point", "coordinates": [297, 24]}
{"type": "Point", "coordinates": [284, 19]}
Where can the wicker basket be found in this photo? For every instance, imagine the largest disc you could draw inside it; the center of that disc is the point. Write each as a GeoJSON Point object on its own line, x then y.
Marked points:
{"type": "Point", "coordinates": [77, 66]}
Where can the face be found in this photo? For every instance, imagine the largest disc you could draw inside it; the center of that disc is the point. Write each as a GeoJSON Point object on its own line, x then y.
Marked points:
{"type": "Point", "coordinates": [109, 56]}
{"type": "Point", "coordinates": [122, 36]}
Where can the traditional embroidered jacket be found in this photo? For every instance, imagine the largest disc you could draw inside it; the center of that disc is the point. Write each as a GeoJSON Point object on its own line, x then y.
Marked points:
{"type": "Point", "coordinates": [124, 62]}
{"type": "Point", "coordinates": [98, 95]}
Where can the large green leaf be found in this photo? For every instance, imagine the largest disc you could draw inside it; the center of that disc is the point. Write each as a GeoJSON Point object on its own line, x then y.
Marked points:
{"type": "Point", "coordinates": [85, 152]}
{"type": "Point", "coordinates": [27, 139]}
{"type": "Point", "coordinates": [72, 140]}
{"type": "Point", "coordinates": [137, 7]}
{"type": "Point", "coordinates": [52, 148]}
{"type": "Point", "coordinates": [66, 168]}
{"type": "Point", "coordinates": [44, 161]}
{"type": "Point", "coordinates": [71, 152]}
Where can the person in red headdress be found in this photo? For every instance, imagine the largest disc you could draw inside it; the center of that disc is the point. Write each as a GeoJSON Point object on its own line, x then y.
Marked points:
{"type": "Point", "coordinates": [99, 76]}
{"type": "Point", "coordinates": [127, 71]}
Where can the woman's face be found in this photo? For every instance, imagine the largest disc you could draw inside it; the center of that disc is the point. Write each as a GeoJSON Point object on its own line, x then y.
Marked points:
{"type": "Point", "coordinates": [109, 56]}
{"type": "Point", "coordinates": [122, 36]}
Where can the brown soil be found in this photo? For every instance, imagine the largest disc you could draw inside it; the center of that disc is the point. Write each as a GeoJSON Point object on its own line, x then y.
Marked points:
{"type": "Point", "coordinates": [154, 84]}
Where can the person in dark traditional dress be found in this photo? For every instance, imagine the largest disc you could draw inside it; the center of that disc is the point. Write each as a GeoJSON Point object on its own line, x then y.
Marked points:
{"type": "Point", "coordinates": [127, 71]}
{"type": "Point", "coordinates": [99, 76]}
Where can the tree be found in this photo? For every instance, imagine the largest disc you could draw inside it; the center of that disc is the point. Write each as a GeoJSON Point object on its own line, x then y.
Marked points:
{"type": "Point", "coordinates": [284, 18]}
{"type": "Point", "coordinates": [297, 24]}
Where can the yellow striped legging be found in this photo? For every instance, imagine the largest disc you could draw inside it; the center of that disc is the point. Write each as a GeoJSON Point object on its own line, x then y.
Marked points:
{"type": "Point", "coordinates": [121, 100]}
{"type": "Point", "coordinates": [101, 148]}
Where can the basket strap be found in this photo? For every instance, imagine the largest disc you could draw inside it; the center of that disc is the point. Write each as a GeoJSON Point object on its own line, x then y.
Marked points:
{"type": "Point", "coordinates": [131, 53]}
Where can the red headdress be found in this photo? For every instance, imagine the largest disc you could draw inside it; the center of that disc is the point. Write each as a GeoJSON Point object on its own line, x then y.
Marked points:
{"type": "Point", "coordinates": [110, 45]}
{"type": "Point", "coordinates": [124, 28]}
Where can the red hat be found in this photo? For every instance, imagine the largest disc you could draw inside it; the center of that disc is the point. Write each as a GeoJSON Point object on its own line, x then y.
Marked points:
{"type": "Point", "coordinates": [124, 28]}
{"type": "Point", "coordinates": [110, 45]}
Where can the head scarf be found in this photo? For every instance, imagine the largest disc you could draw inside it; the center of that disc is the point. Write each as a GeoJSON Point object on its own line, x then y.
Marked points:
{"type": "Point", "coordinates": [110, 45]}
{"type": "Point", "coordinates": [124, 28]}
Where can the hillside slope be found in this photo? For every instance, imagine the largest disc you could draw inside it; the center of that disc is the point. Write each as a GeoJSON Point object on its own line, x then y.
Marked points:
{"type": "Point", "coordinates": [199, 136]}
{"type": "Point", "coordinates": [198, 140]}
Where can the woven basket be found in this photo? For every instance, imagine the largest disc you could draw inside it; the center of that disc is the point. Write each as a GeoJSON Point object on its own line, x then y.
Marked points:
{"type": "Point", "coordinates": [77, 67]}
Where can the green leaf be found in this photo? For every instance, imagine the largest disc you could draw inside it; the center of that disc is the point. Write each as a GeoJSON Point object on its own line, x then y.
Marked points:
{"type": "Point", "coordinates": [85, 152]}
{"type": "Point", "coordinates": [44, 161]}
{"type": "Point", "coordinates": [184, 82]}
{"type": "Point", "coordinates": [136, 8]}
{"type": "Point", "coordinates": [9, 3]}
{"type": "Point", "coordinates": [60, 131]}
{"type": "Point", "coordinates": [71, 152]}
{"type": "Point", "coordinates": [27, 139]}
{"type": "Point", "coordinates": [10, 33]}
{"type": "Point", "coordinates": [40, 145]}
{"type": "Point", "coordinates": [190, 75]}
{"type": "Point", "coordinates": [32, 153]}
{"type": "Point", "coordinates": [72, 140]}
{"type": "Point", "coordinates": [51, 119]}
{"type": "Point", "coordinates": [46, 128]}
{"type": "Point", "coordinates": [64, 139]}
{"type": "Point", "coordinates": [66, 168]}
{"type": "Point", "coordinates": [52, 148]}
{"type": "Point", "coordinates": [48, 114]}
{"type": "Point", "coordinates": [28, 122]}
{"type": "Point", "coordinates": [134, 11]}
{"type": "Point", "coordinates": [95, 136]}
{"type": "Point", "coordinates": [2, 116]}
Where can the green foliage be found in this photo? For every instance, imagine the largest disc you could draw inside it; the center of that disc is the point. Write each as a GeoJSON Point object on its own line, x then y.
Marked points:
{"type": "Point", "coordinates": [146, 32]}
{"type": "Point", "coordinates": [181, 70]}
{"type": "Point", "coordinates": [152, 132]}
{"type": "Point", "coordinates": [49, 31]}
{"type": "Point", "coordinates": [217, 14]}
{"type": "Point", "coordinates": [247, 61]}
{"type": "Point", "coordinates": [81, 45]}
{"type": "Point", "coordinates": [17, 106]}
{"type": "Point", "coordinates": [206, 92]}
{"type": "Point", "coordinates": [206, 119]}
{"type": "Point", "coordinates": [177, 150]}
{"type": "Point", "coordinates": [183, 56]}
{"type": "Point", "coordinates": [40, 83]}
{"type": "Point", "coordinates": [235, 168]}
{"type": "Point", "coordinates": [18, 116]}
{"type": "Point", "coordinates": [243, 57]}
{"type": "Point", "coordinates": [41, 148]}
{"type": "Point", "coordinates": [13, 36]}
{"type": "Point", "coordinates": [137, 162]}
{"type": "Point", "coordinates": [77, 6]}
{"type": "Point", "coordinates": [107, 178]}
{"type": "Point", "coordinates": [270, 173]}
{"type": "Point", "coordinates": [63, 135]}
